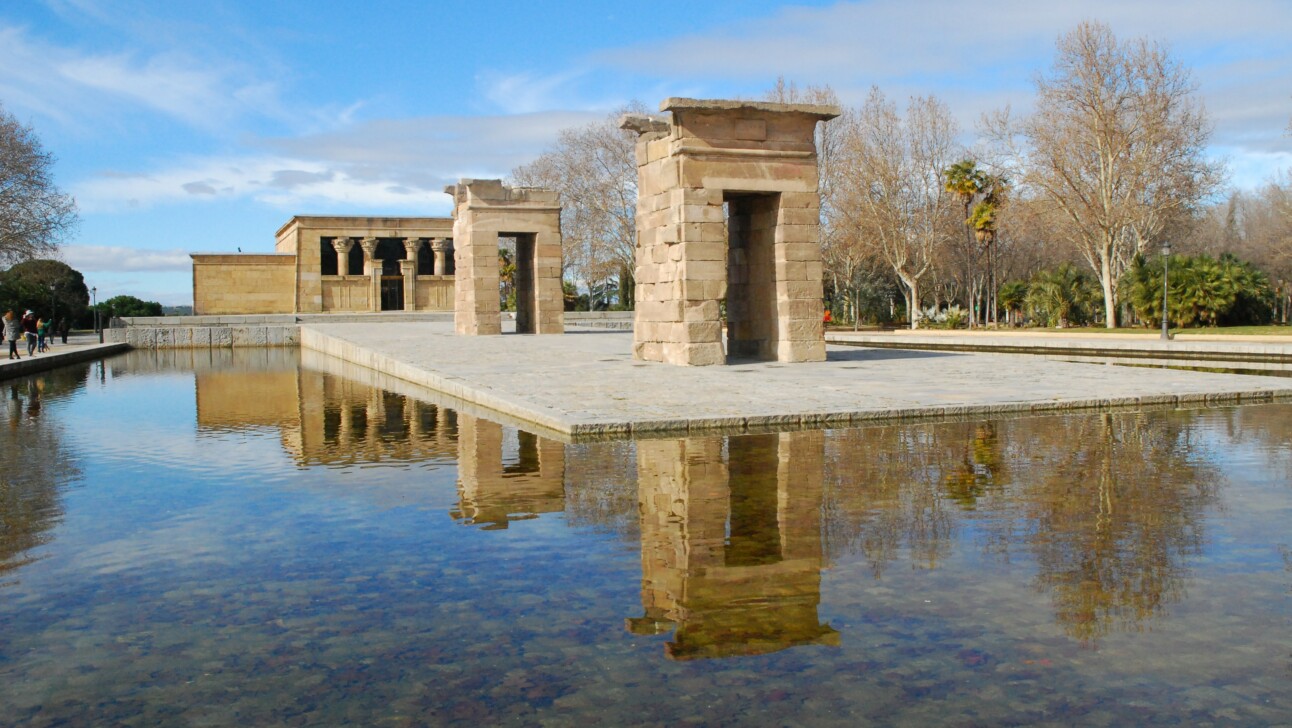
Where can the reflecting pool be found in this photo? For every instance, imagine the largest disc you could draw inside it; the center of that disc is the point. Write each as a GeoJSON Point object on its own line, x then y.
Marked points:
{"type": "Point", "coordinates": [252, 539]}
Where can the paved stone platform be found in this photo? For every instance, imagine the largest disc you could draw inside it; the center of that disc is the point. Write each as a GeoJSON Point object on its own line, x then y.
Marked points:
{"type": "Point", "coordinates": [586, 382]}
{"type": "Point", "coordinates": [79, 347]}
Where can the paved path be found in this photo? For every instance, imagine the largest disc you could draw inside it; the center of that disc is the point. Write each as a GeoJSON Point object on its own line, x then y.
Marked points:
{"type": "Point", "coordinates": [1188, 346]}
{"type": "Point", "coordinates": [586, 381]}
{"type": "Point", "coordinates": [79, 347]}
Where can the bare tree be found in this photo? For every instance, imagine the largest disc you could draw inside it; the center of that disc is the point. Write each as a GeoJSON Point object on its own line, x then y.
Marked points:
{"type": "Point", "coordinates": [594, 168]}
{"type": "Point", "coordinates": [1115, 146]}
{"type": "Point", "coordinates": [34, 216]}
{"type": "Point", "coordinates": [891, 195]}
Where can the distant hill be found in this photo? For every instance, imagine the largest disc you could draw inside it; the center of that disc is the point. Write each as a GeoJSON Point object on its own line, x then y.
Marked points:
{"type": "Point", "coordinates": [177, 310]}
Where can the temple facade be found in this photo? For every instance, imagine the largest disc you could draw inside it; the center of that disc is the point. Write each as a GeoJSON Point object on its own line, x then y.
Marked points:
{"type": "Point", "coordinates": [326, 264]}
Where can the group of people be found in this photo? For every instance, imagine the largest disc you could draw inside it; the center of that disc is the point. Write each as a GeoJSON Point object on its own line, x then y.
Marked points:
{"type": "Point", "coordinates": [38, 332]}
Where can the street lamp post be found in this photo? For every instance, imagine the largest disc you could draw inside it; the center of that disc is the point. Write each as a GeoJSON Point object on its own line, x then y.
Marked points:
{"type": "Point", "coordinates": [94, 293]}
{"type": "Point", "coordinates": [1166, 265]}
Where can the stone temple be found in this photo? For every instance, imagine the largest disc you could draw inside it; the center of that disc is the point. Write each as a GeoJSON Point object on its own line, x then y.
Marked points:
{"type": "Point", "coordinates": [728, 256]}
{"type": "Point", "coordinates": [728, 212]}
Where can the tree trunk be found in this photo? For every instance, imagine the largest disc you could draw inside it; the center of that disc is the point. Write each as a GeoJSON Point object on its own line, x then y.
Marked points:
{"type": "Point", "coordinates": [913, 310]}
{"type": "Point", "coordinates": [1109, 285]}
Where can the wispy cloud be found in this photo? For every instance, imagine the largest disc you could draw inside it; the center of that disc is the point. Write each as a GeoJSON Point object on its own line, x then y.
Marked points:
{"type": "Point", "coordinates": [106, 258]}
{"type": "Point", "coordinates": [386, 165]}
{"type": "Point", "coordinates": [83, 89]}
{"type": "Point", "coordinates": [979, 58]}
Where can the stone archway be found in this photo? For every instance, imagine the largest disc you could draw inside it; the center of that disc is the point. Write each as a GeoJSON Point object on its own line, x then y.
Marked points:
{"type": "Point", "coordinates": [484, 211]}
{"type": "Point", "coordinates": [728, 213]}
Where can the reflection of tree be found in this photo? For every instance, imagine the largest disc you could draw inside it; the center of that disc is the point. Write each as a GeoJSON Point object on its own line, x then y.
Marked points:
{"type": "Point", "coordinates": [36, 464]}
{"type": "Point", "coordinates": [597, 495]}
{"type": "Point", "coordinates": [885, 491]}
{"type": "Point", "coordinates": [1113, 510]}
{"type": "Point", "coordinates": [1109, 505]}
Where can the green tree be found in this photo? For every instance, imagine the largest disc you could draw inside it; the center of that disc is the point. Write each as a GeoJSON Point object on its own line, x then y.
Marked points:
{"type": "Point", "coordinates": [1062, 296]}
{"type": "Point", "coordinates": [129, 306]}
{"type": "Point", "coordinates": [1013, 296]}
{"type": "Point", "coordinates": [1204, 291]}
{"type": "Point", "coordinates": [51, 288]}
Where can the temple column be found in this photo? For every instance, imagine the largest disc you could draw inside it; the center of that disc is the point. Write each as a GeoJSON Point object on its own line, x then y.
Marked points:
{"type": "Point", "coordinates": [372, 269]}
{"type": "Point", "coordinates": [440, 247]}
{"type": "Point", "coordinates": [342, 247]}
{"type": "Point", "coordinates": [408, 267]}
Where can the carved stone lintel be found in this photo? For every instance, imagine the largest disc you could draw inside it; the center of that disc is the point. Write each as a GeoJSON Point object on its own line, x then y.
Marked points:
{"type": "Point", "coordinates": [643, 124]}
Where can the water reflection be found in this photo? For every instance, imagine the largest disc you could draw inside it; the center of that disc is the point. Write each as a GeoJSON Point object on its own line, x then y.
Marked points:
{"type": "Point", "coordinates": [36, 465]}
{"type": "Point", "coordinates": [1109, 506]}
{"type": "Point", "coordinates": [506, 475]}
{"type": "Point", "coordinates": [734, 531]}
{"type": "Point", "coordinates": [731, 545]}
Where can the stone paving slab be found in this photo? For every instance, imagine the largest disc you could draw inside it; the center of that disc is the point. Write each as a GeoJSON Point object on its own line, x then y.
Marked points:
{"type": "Point", "coordinates": [586, 382]}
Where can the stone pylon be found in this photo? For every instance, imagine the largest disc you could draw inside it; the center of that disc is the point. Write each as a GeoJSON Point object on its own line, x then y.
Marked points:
{"type": "Point", "coordinates": [484, 211]}
{"type": "Point", "coordinates": [728, 212]}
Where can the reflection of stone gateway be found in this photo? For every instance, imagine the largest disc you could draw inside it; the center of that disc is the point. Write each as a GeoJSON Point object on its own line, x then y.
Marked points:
{"type": "Point", "coordinates": [759, 162]}
{"type": "Point", "coordinates": [731, 552]}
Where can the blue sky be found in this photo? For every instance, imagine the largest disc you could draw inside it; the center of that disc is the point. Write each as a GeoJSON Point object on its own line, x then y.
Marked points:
{"type": "Point", "coordinates": [199, 127]}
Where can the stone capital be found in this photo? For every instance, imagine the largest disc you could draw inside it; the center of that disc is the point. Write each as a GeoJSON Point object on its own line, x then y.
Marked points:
{"type": "Point", "coordinates": [342, 245]}
{"type": "Point", "coordinates": [369, 246]}
{"type": "Point", "coordinates": [440, 245]}
{"type": "Point", "coordinates": [411, 245]}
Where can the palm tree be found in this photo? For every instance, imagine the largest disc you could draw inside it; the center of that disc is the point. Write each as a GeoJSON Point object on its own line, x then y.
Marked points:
{"type": "Point", "coordinates": [965, 180]}
{"type": "Point", "coordinates": [1061, 296]}
{"type": "Point", "coordinates": [1012, 296]}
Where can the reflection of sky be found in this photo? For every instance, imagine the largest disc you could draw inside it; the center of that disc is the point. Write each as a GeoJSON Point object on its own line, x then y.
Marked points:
{"type": "Point", "coordinates": [217, 561]}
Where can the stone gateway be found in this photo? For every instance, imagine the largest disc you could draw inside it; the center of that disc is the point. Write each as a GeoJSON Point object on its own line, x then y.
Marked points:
{"type": "Point", "coordinates": [728, 213]}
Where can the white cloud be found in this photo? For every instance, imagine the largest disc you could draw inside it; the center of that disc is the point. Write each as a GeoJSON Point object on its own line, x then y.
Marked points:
{"type": "Point", "coordinates": [978, 57]}
{"type": "Point", "coordinates": [107, 258]}
{"type": "Point", "coordinates": [84, 90]}
{"type": "Point", "coordinates": [387, 165]}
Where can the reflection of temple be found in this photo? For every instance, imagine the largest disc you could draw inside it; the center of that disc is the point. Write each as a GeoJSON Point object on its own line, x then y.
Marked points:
{"type": "Point", "coordinates": [731, 548]}
{"type": "Point", "coordinates": [506, 475]}
{"type": "Point", "coordinates": [325, 419]}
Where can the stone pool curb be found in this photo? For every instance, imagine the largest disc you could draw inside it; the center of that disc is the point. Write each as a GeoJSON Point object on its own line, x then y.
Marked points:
{"type": "Point", "coordinates": [61, 355]}
{"type": "Point", "coordinates": [1232, 349]}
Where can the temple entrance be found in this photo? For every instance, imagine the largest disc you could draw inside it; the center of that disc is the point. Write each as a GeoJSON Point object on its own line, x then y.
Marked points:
{"type": "Point", "coordinates": [392, 293]}
{"type": "Point", "coordinates": [751, 275]}
{"type": "Point", "coordinates": [523, 281]}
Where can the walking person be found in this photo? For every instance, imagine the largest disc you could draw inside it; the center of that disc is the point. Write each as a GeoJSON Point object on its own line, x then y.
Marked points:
{"type": "Point", "coordinates": [29, 331]}
{"type": "Point", "coordinates": [12, 330]}
{"type": "Point", "coordinates": [62, 329]}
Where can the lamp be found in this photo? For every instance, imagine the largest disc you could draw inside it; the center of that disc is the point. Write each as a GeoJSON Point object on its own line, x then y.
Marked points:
{"type": "Point", "coordinates": [1166, 265]}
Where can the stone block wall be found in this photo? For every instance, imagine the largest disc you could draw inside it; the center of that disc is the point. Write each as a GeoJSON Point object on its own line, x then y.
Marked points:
{"type": "Point", "coordinates": [484, 211]}
{"type": "Point", "coordinates": [243, 283]}
{"type": "Point", "coordinates": [758, 159]}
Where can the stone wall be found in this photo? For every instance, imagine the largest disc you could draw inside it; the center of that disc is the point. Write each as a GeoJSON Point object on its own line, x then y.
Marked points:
{"type": "Point", "coordinates": [205, 337]}
{"type": "Point", "coordinates": [243, 283]}
{"type": "Point", "coordinates": [484, 211]}
{"type": "Point", "coordinates": [760, 160]}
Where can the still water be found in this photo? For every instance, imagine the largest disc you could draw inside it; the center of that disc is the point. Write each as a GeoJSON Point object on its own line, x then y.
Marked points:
{"type": "Point", "coordinates": [210, 540]}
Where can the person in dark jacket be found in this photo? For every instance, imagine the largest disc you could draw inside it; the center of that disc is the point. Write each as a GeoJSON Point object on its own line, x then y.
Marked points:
{"type": "Point", "coordinates": [29, 329]}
